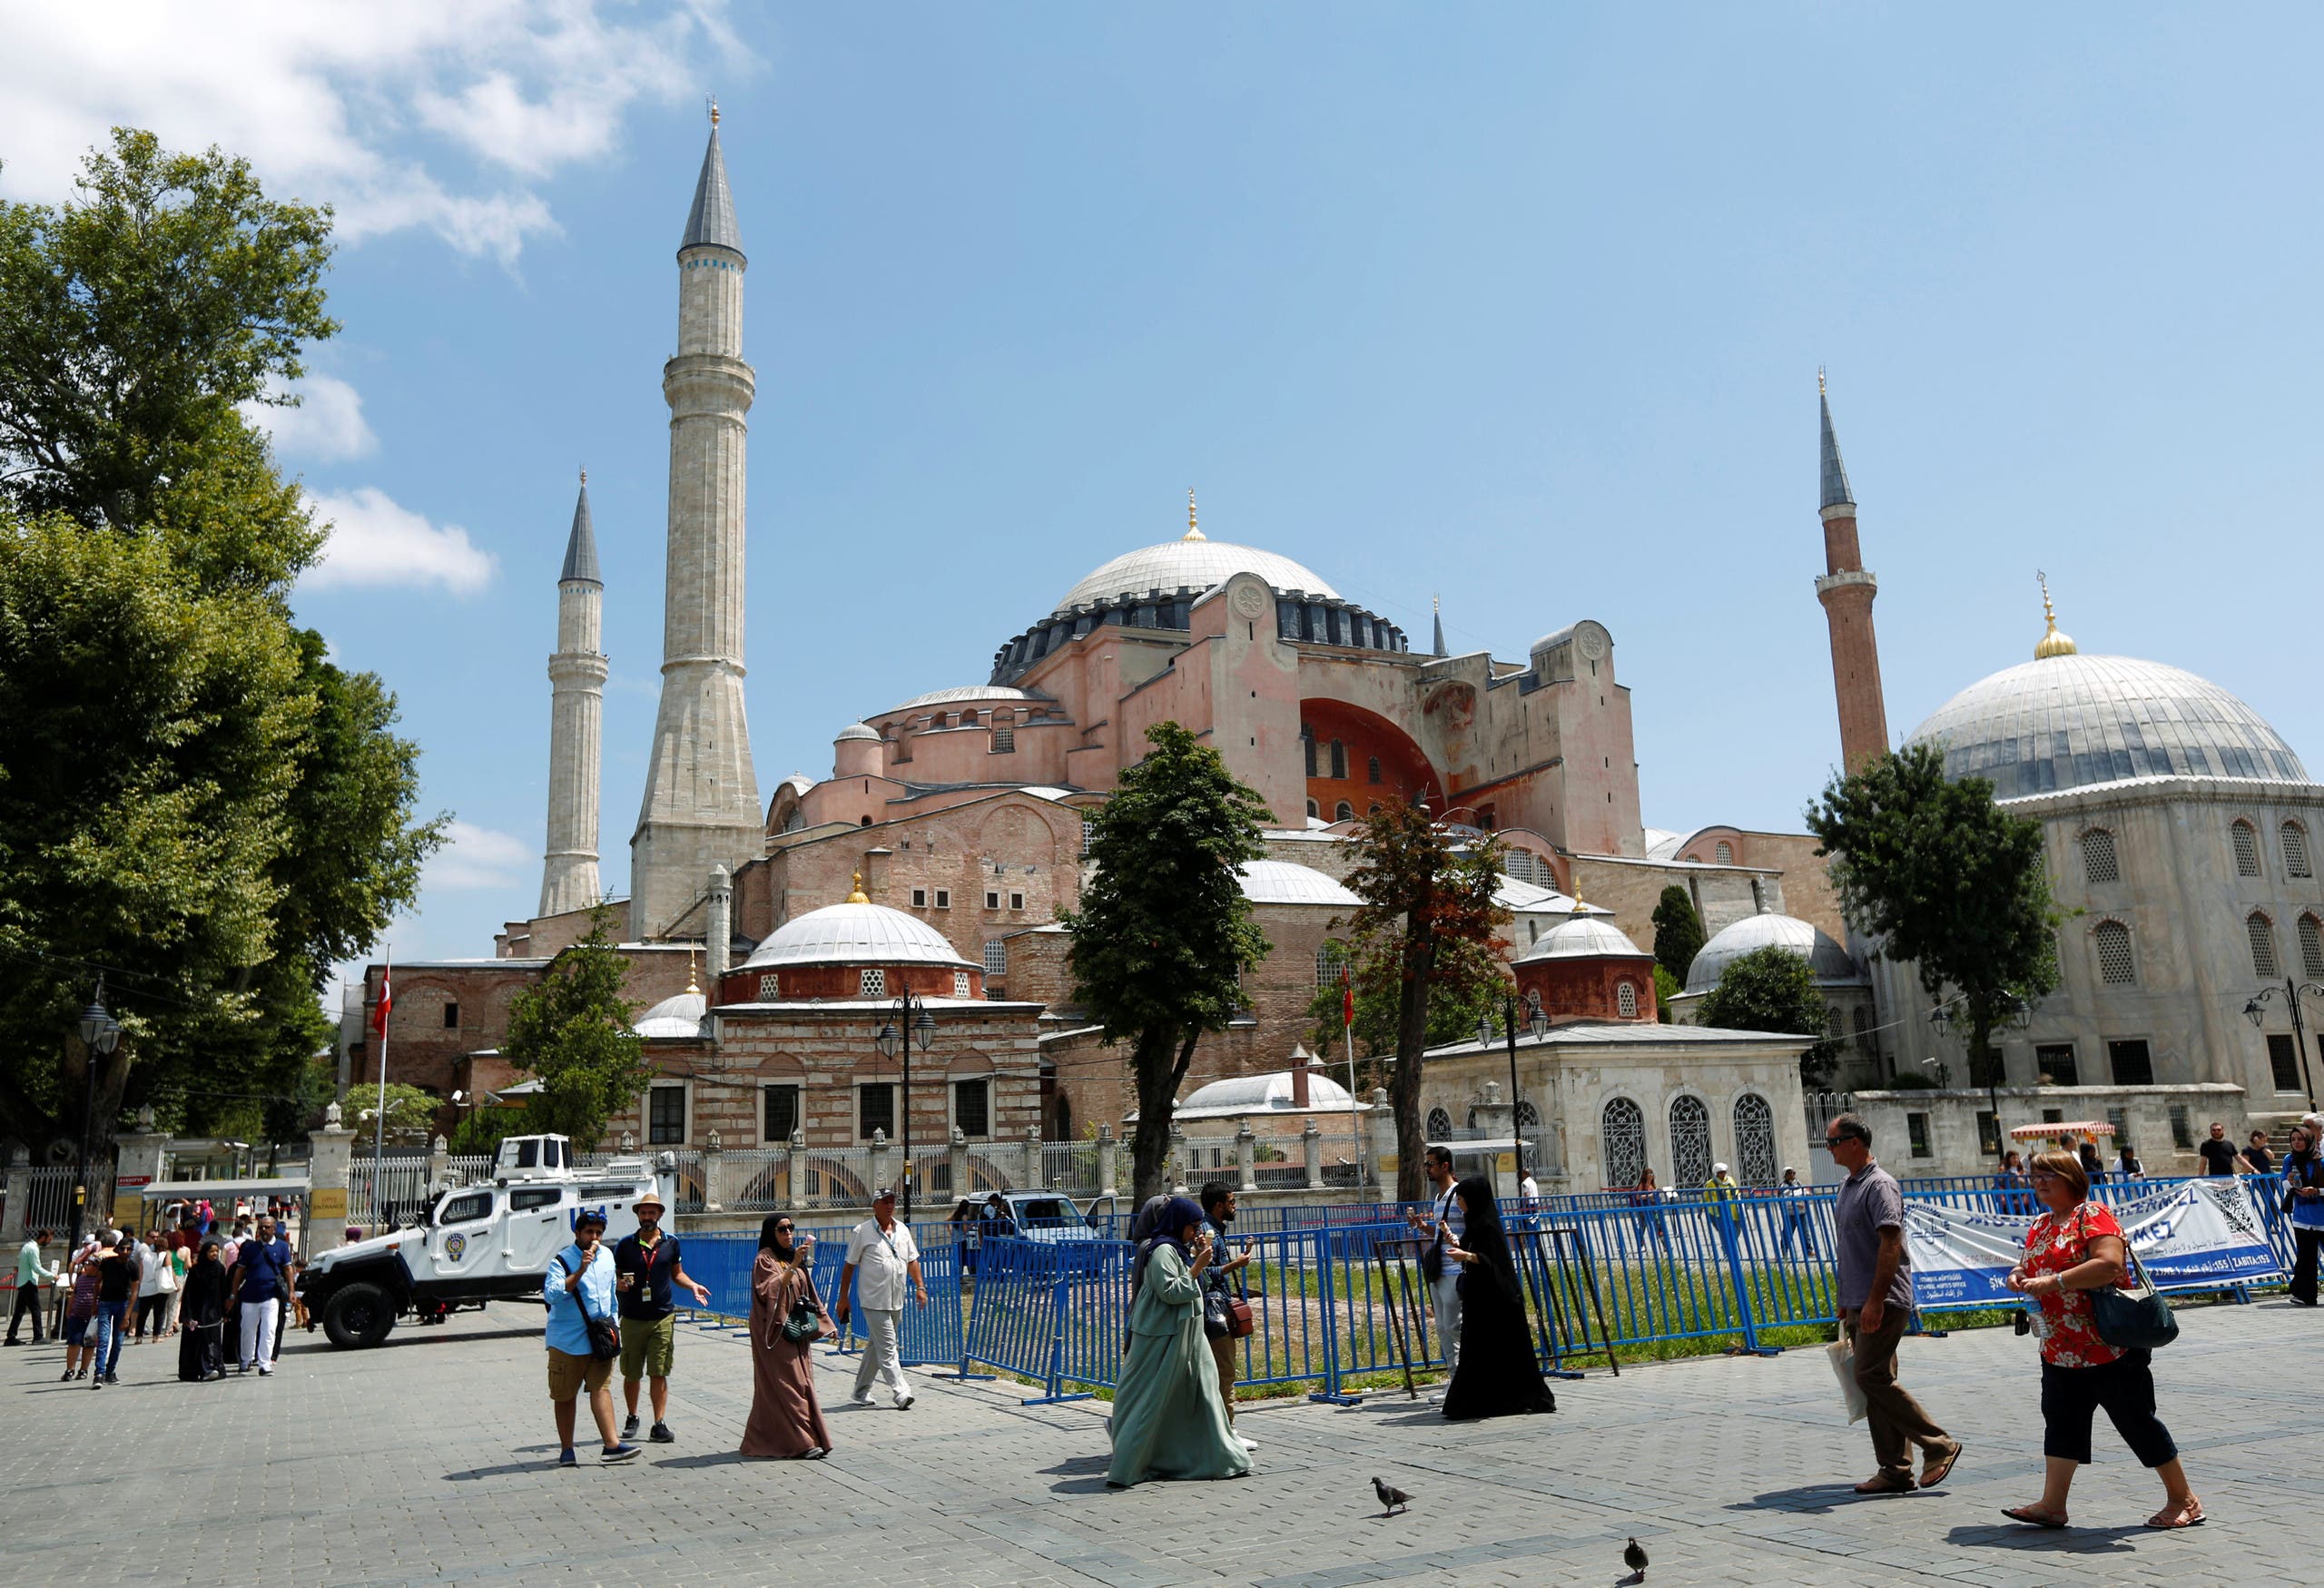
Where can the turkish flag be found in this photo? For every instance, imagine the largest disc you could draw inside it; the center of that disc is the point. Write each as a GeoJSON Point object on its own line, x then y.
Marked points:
{"type": "Point", "coordinates": [380, 1018]}
{"type": "Point", "coordinates": [1347, 1000]}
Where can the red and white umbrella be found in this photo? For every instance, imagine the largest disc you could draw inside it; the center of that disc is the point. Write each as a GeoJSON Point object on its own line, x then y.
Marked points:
{"type": "Point", "coordinates": [2061, 1127]}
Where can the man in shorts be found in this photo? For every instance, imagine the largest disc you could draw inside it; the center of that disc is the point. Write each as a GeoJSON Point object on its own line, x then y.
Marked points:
{"type": "Point", "coordinates": [645, 1266]}
{"type": "Point", "coordinates": [577, 1287]}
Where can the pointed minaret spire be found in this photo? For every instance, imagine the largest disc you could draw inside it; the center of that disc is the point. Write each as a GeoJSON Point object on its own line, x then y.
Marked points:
{"type": "Point", "coordinates": [1835, 492]}
{"type": "Point", "coordinates": [711, 222]}
{"type": "Point", "coordinates": [576, 735]}
{"type": "Point", "coordinates": [1436, 610]}
{"type": "Point", "coordinates": [1847, 590]}
{"type": "Point", "coordinates": [581, 546]}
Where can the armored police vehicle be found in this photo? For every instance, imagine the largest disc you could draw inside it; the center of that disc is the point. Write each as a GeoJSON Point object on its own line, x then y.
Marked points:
{"type": "Point", "coordinates": [485, 1242]}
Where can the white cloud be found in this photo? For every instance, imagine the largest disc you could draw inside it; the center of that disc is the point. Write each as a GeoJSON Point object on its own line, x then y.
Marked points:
{"type": "Point", "coordinates": [326, 425]}
{"type": "Point", "coordinates": [480, 857]}
{"type": "Point", "coordinates": [376, 541]}
{"type": "Point", "coordinates": [437, 113]}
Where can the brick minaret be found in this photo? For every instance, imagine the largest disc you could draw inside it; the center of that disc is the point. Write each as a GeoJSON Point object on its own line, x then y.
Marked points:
{"type": "Point", "coordinates": [576, 723]}
{"type": "Point", "coordinates": [702, 795]}
{"type": "Point", "coordinates": [1847, 590]}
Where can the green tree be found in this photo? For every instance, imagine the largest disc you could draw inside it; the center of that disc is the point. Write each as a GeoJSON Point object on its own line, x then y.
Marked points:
{"type": "Point", "coordinates": [574, 1031]}
{"type": "Point", "coordinates": [1937, 874]}
{"type": "Point", "coordinates": [481, 1128]}
{"type": "Point", "coordinates": [1426, 931]}
{"type": "Point", "coordinates": [410, 1114]}
{"type": "Point", "coordinates": [1677, 932]}
{"type": "Point", "coordinates": [1666, 988]}
{"type": "Point", "coordinates": [1774, 989]}
{"type": "Point", "coordinates": [1453, 1011]}
{"type": "Point", "coordinates": [1164, 933]}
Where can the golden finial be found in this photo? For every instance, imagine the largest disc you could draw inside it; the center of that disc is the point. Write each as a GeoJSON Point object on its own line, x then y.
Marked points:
{"type": "Point", "coordinates": [859, 896]}
{"type": "Point", "coordinates": [692, 985]}
{"type": "Point", "coordinates": [1819, 381]}
{"type": "Point", "coordinates": [584, 474]}
{"type": "Point", "coordinates": [2052, 643]}
{"type": "Point", "coordinates": [714, 113]}
{"type": "Point", "coordinates": [1193, 532]}
{"type": "Point", "coordinates": [1436, 606]}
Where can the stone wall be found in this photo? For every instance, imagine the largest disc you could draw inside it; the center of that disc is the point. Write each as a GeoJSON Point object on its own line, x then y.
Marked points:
{"type": "Point", "coordinates": [1948, 1138]}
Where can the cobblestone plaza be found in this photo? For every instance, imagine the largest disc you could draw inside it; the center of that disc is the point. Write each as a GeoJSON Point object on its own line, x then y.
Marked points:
{"type": "Point", "coordinates": [430, 1460]}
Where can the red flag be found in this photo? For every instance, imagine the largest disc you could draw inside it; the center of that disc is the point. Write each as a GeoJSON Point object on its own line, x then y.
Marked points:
{"type": "Point", "coordinates": [1347, 1000]}
{"type": "Point", "coordinates": [379, 1019]}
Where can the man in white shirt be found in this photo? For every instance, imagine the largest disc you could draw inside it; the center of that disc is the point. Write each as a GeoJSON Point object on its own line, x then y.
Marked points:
{"type": "Point", "coordinates": [1445, 1220]}
{"type": "Point", "coordinates": [880, 1257]}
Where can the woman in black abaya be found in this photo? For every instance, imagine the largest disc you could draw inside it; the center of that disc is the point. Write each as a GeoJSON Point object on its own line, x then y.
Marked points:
{"type": "Point", "coordinates": [202, 1314]}
{"type": "Point", "coordinates": [1499, 1375]}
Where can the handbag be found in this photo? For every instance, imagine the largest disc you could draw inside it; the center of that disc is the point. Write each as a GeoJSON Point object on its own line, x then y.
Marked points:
{"type": "Point", "coordinates": [804, 1321]}
{"type": "Point", "coordinates": [2133, 1321]}
{"type": "Point", "coordinates": [1217, 1322]}
{"type": "Point", "coordinates": [1240, 1322]}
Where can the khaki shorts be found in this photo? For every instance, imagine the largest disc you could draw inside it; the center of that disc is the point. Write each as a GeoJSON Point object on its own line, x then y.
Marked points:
{"type": "Point", "coordinates": [569, 1375]}
{"type": "Point", "coordinates": [648, 1347]}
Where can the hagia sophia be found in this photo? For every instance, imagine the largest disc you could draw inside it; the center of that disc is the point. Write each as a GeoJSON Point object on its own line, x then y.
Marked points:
{"type": "Point", "coordinates": [770, 935]}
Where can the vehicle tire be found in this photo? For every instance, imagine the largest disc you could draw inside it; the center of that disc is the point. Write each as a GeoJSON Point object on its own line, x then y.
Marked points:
{"type": "Point", "coordinates": [359, 1315]}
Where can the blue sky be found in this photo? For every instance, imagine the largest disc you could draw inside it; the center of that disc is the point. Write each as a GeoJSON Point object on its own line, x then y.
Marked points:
{"type": "Point", "coordinates": [1520, 305]}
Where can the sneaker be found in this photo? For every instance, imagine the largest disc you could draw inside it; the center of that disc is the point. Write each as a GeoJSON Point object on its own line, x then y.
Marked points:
{"type": "Point", "coordinates": [863, 1398]}
{"type": "Point", "coordinates": [662, 1434]}
{"type": "Point", "coordinates": [1248, 1444]}
{"type": "Point", "coordinates": [813, 1453]}
{"type": "Point", "coordinates": [266, 1372]}
{"type": "Point", "coordinates": [565, 1457]}
{"type": "Point", "coordinates": [69, 1376]}
{"type": "Point", "coordinates": [84, 1373]}
{"type": "Point", "coordinates": [629, 1426]}
{"type": "Point", "coordinates": [241, 1367]}
{"type": "Point", "coordinates": [612, 1453]}
{"type": "Point", "coordinates": [903, 1403]}
{"type": "Point", "coordinates": [11, 1342]}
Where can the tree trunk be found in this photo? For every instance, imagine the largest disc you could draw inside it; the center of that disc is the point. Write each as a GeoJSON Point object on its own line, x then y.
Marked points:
{"type": "Point", "coordinates": [1411, 1041]}
{"type": "Point", "coordinates": [1157, 1078]}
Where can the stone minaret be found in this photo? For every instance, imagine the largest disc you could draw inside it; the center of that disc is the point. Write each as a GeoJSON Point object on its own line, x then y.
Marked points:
{"type": "Point", "coordinates": [702, 796]}
{"type": "Point", "coordinates": [577, 723]}
{"type": "Point", "coordinates": [1847, 590]}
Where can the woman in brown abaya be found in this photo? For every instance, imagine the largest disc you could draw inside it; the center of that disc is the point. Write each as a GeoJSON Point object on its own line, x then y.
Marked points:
{"type": "Point", "coordinates": [785, 1420]}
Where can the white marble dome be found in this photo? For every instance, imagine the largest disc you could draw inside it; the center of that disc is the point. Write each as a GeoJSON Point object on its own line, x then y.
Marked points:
{"type": "Point", "coordinates": [855, 731]}
{"type": "Point", "coordinates": [1280, 882]}
{"type": "Point", "coordinates": [1823, 953]}
{"type": "Point", "coordinates": [855, 935]}
{"type": "Point", "coordinates": [677, 1016]}
{"type": "Point", "coordinates": [1582, 937]}
{"type": "Point", "coordinates": [2065, 721]}
{"type": "Point", "coordinates": [1190, 564]}
{"type": "Point", "coordinates": [1262, 1094]}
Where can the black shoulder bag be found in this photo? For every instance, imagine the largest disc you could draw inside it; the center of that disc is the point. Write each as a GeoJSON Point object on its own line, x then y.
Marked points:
{"type": "Point", "coordinates": [605, 1335]}
{"type": "Point", "coordinates": [2133, 1321]}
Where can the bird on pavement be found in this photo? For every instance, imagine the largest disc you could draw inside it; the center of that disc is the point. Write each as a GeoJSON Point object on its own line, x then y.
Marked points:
{"type": "Point", "coordinates": [1392, 1499]}
{"type": "Point", "coordinates": [1635, 1559]}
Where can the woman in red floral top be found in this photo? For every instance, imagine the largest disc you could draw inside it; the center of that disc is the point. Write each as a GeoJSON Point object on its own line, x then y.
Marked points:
{"type": "Point", "coordinates": [2073, 1248]}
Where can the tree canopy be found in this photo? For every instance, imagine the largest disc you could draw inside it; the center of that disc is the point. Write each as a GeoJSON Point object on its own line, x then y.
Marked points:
{"type": "Point", "coordinates": [1427, 929]}
{"type": "Point", "coordinates": [1452, 1011]}
{"type": "Point", "coordinates": [1937, 874]}
{"type": "Point", "coordinates": [1677, 932]}
{"type": "Point", "coordinates": [574, 1031]}
{"type": "Point", "coordinates": [194, 800]}
{"type": "Point", "coordinates": [1165, 931]}
{"type": "Point", "coordinates": [1774, 989]}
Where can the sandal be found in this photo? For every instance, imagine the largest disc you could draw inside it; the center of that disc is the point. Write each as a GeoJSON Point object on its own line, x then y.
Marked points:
{"type": "Point", "coordinates": [2187, 1513]}
{"type": "Point", "coordinates": [1884, 1485]}
{"type": "Point", "coordinates": [2034, 1517]}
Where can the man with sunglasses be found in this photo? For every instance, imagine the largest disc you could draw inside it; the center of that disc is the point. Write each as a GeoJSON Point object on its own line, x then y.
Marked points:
{"type": "Point", "coordinates": [1875, 1301]}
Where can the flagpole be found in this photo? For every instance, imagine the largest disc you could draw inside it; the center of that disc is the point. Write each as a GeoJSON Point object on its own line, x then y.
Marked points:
{"type": "Point", "coordinates": [1347, 1032]}
{"type": "Point", "coordinates": [380, 1118]}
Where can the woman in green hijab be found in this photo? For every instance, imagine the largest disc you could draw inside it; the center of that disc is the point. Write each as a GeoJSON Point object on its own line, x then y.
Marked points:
{"type": "Point", "coordinates": [1168, 1421]}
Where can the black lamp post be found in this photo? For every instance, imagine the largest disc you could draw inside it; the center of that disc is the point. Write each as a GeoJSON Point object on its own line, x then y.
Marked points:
{"type": "Point", "coordinates": [1538, 1024]}
{"type": "Point", "coordinates": [2292, 991]}
{"type": "Point", "coordinates": [913, 1027]}
{"type": "Point", "coordinates": [99, 1035]}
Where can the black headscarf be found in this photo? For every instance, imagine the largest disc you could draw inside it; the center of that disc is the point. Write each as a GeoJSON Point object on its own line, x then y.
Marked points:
{"type": "Point", "coordinates": [1481, 1233]}
{"type": "Point", "coordinates": [767, 1241]}
{"type": "Point", "coordinates": [1166, 1227]}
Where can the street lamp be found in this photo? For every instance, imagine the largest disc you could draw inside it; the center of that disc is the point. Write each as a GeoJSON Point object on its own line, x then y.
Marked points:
{"type": "Point", "coordinates": [1537, 1023]}
{"type": "Point", "coordinates": [99, 1035]}
{"type": "Point", "coordinates": [913, 1027]}
{"type": "Point", "coordinates": [2292, 991]}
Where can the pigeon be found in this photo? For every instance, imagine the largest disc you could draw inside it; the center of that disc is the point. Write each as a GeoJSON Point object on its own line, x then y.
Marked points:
{"type": "Point", "coordinates": [1394, 1499]}
{"type": "Point", "coordinates": [1635, 1559]}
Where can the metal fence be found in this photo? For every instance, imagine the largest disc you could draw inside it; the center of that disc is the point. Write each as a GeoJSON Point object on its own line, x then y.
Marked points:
{"type": "Point", "coordinates": [49, 1197]}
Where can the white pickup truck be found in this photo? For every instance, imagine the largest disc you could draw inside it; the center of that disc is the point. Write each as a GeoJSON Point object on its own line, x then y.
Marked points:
{"type": "Point", "coordinates": [491, 1241]}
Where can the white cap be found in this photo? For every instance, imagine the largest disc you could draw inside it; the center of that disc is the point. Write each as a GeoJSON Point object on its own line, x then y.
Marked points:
{"type": "Point", "coordinates": [1719, 1168]}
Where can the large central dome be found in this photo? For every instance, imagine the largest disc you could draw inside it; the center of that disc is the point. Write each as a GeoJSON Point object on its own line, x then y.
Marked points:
{"type": "Point", "coordinates": [1193, 566]}
{"type": "Point", "coordinates": [2063, 721]}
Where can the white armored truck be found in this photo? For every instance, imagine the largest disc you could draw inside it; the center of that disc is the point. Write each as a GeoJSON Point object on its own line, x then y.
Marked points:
{"type": "Point", "coordinates": [490, 1241]}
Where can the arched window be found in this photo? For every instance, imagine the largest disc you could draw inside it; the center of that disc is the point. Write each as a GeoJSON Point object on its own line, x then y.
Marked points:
{"type": "Point", "coordinates": [1725, 853]}
{"type": "Point", "coordinates": [1331, 964]}
{"type": "Point", "coordinates": [1313, 809]}
{"type": "Point", "coordinates": [1372, 775]}
{"type": "Point", "coordinates": [1308, 746]}
{"type": "Point", "coordinates": [1532, 1002]}
{"type": "Point", "coordinates": [1518, 863]}
{"type": "Point", "coordinates": [1626, 1000]}
{"type": "Point", "coordinates": [1754, 1140]}
{"type": "Point", "coordinates": [2295, 841]}
{"type": "Point", "coordinates": [1863, 1030]}
{"type": "Point", "coordinates": [1622, 1137]}
{"type": "Point", "coordinates": [1344, 812]}
{"type": "Point", "coordinates": [2098, 864]}
{"type": "Point", "coordinates": [2115, 966]}
{"type": "Point", "coordinates": [2262, 933]}
{"type": "Point", "coordinates": [2247, 848]}
{"type": "Point", "coordinates": [1339, 760]}
{"type": "Point", "coordinates": [1689, 1141]}
{"type": "Point", "coordinates": [1372, 810]}
{"type": "Point", "coordinates": [2311, 946]}
{"type": "Point", "coordinates": [1440, 1124]}
{"type": "Point", "coordinates": [1529, 1130]}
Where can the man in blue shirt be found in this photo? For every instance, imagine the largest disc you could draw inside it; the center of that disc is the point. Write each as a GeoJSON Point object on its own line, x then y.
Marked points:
{"type": "Point", "coordinates": [578, 1286]}
{"type": "Point", "coordinates": [262, 1273]}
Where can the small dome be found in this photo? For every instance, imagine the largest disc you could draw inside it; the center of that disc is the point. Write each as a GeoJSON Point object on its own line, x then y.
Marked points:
{"type": "Point", "coordinates": [1583, 937]}
{"type": "Point", "coordinates": [855, 935]}
{"type": "Point", "coordinates": [679, 1016]}
{"type": "Point", "coordinates": [1190, 564]}
{"type": "Point", "coordinates": [2065, 720]}
{"type": "Point", "coordinates": [968, 692]}
{"type": "Point", "coordinates": [1262, 1094]}
{"type": "Point", "coordinates": [857, 731]}
{"type": "Point", "coordinates": [1829, 961]}
{"type": "Point", "coordinates": [1279, 881]}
